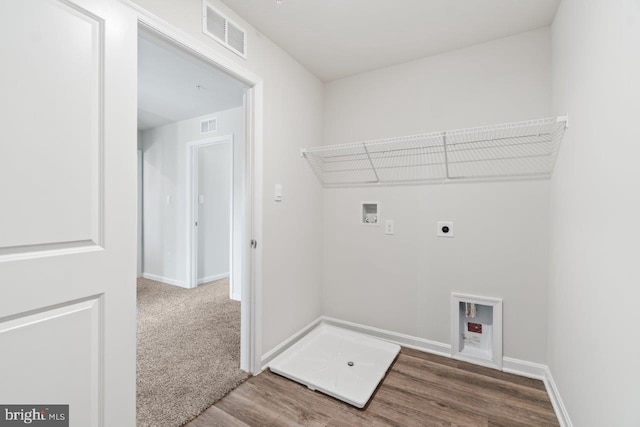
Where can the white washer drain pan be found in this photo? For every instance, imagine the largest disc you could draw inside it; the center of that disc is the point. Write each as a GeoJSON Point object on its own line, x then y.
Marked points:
{"type": "Point", "coordinates": [341, 363]}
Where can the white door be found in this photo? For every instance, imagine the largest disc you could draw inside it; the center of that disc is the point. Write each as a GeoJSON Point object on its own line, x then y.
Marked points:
{"type": "Point", "coordinates": [214, 188]}
{"type": "Point", "coordinates": [68, 208]}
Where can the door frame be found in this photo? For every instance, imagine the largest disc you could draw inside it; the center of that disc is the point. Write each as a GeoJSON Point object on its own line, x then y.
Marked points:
{"type": "Point", "coordinates": [192, 207]}
{"type": "Point", "coordinates": [251, 291]}
{"type": "Point", "coordinates": [140, 225]}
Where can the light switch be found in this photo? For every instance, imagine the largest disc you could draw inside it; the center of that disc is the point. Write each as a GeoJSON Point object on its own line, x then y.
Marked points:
{"type": "Point", "coordinates": [169, 200]}
{"type": "Point", "coordinates": [201, 199]}
{"type": "Point", "coordinates": [389, 227]}
{"type": "Point", "coordinates": [278, 197]}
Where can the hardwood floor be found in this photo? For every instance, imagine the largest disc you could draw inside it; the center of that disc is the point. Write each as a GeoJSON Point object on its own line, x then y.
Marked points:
{"type": "Point", "coordinates": [420, 389]}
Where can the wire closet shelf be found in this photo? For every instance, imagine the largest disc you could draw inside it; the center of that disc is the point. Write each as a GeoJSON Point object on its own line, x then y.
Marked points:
{"type": "Point", "coordinates": [520, 150]}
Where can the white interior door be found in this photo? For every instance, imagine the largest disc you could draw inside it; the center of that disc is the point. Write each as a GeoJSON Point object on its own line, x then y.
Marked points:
{"type": "Point", "coordinates": [215, 191]}
{"type": "Point", "coordinates": [68, 207]}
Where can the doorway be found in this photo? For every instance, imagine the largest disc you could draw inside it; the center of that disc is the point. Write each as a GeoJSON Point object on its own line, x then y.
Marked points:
{"type": "Point", "coordinates": [251, 228]}
{"type": "Point", "coordinates": [194, 120]}
{"type": "Point", "coordinates": [215, 212]}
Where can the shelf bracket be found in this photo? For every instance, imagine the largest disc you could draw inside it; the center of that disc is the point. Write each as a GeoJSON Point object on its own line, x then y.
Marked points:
{"type": "Point", "coordinates": [446, 156]}
{"type": "Point", "coordinates": [373, 168]}
{"type": "Point", "coordinates": [564, 119]}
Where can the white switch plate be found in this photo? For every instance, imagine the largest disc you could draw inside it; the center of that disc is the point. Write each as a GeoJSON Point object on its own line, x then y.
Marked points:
{"type": "Point", "coordinates": [389, 227]}
{"type": "Point", "coordinates": [278, 197]}
{"type": "Point", "coordinates": [201, 198]}
{"type": "Point", "coordinates": [442, 226]}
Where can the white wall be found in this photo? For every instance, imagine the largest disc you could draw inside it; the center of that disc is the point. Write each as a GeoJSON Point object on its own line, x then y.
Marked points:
{"type": "Point", "coordinates": [214, 211]}
{"type": "Point", "coordinates": [403, 282]}
{"type": "Point", "coordinates": [165, 176]}
{"type": "Point", "coordinates": [292, 236]}
{"type": "Point", "coordinates": [594, 292]}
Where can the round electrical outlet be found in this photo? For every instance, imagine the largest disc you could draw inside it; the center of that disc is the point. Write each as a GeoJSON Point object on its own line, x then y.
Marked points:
{"type": "Point", "coordinates": [444, 229]}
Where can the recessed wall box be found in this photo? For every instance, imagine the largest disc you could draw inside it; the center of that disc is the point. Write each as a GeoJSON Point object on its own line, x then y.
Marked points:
{"type": "Point", "coordinates": [476, 329]}
{"type": "Point", "coordinates": [369, 213]}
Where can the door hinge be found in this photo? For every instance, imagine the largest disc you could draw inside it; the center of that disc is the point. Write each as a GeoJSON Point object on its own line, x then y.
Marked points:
{"type": "Point", "coordinates": [254, 244]}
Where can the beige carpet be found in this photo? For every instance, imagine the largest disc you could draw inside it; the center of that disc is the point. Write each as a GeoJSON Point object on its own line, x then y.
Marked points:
{"type": "Point", "coordinates": [188, 350]}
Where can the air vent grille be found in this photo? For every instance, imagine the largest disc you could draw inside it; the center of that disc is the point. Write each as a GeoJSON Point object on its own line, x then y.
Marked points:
{"type": "Point", "coordinates": [209, 125]}
{"type": "Point", "coordinates": [216, 24]}
{"type": "Point", "coordinates": [220, 28]}
{"type": "Point", "coordinates": [235, 37]}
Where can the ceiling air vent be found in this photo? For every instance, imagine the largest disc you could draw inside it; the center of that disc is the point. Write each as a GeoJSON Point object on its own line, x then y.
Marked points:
{"type": "Point", "coordinates": [209, 125]}
{"type": "Point", "coordinates": [220, 28]}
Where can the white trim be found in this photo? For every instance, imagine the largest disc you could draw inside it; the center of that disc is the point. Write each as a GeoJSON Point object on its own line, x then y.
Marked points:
{"type": "Point", "coordinates": [277, 350]}
{"type": "Point", "coordinates": [524, 368]}
{"type": "Point", "coordinates": [401, 339]}
{"type": "Point", "coordinates": [140, 214]}
{"type": "Point", "coordinates": [251, 331]}
{"type": "Point", "coordinates": [541, 372]}
{"type": "Point", "coordinates": [165, 280]}
{"type": "Point", "coordinates": [556, 400]}
{"type": "Point", "coordinates": [252, 294]}
{"type": "Point", "coordinates": [237, 240]}
{"type": "Point", "coordinates": [213, 278]}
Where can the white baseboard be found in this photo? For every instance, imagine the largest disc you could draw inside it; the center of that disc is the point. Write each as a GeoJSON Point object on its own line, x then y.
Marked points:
{"type": "Point", "coordinates": [394, 337]}
{"type": "Point", "coordinates": [275, 352]}
{"type": "Point", "coordinates": [166, 280]}
{"type": "Point", "coordinates": [213, 278]}
{"type": "Point", "coordinates": [510, 365]}
{"type": "Point", "coordinates": [556, 400]}
{"type": "Point", "coordinates": [524, 368]}
{"type": "Point", "coordinates": [543, 373]}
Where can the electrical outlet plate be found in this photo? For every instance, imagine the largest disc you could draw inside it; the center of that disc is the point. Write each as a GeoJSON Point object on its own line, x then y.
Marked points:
{"type": "Point", "coordinates": [444, 229]}
{"type": "Point", "coordinates": [389, 227]}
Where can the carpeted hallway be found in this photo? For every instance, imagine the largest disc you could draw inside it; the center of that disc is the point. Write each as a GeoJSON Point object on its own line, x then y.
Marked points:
{"type": "Point", "coordinates": [188, 350]}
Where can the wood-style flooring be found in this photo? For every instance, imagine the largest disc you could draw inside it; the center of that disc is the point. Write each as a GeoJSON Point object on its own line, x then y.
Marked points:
{"type": "Point", "coordinates": [420, 389]}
